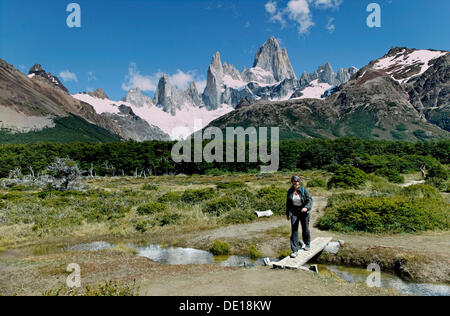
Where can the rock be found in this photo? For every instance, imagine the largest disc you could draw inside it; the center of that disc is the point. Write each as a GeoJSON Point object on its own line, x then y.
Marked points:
{"type": "Point", "coordinates": [169, 97]}
{"type": "Point", "coordinates": [99, 93]}
{"type": "Point", "coordinates": [341, 242]}
{"type": "Point", "coordinates": [193, 94]}
{"type": "Point", "coordinates": [138, 99]}
{"type": "Point", "coordinates": [332, 247]}
{"type": "Point", "coordinates": [271, 58]}
{"type": "Point", "coordinates": [38, 71]}
{"type": "Point", "coordinates": [135, 128]}
{"type": "Point", "coordinates": [212, 96]}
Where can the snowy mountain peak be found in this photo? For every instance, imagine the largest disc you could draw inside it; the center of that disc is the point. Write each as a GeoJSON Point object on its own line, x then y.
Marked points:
{"type": "Point", "coordinates": [402, 63]}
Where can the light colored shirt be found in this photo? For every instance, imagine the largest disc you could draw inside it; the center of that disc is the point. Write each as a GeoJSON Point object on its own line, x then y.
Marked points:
{"type": "Point", "coordinates": [297, 200]}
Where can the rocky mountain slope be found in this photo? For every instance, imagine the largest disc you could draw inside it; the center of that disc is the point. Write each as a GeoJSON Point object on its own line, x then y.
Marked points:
{"type": "Point", "coordinates": [30, 104]}
{"type": "Point", "coordinates": [391, 98]}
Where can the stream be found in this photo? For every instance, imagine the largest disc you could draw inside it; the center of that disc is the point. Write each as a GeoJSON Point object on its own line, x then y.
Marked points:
{"type": "Point", "coordinates": [184, 256]}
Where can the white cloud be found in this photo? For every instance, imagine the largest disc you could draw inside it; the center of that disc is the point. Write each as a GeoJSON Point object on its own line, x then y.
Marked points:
{"type": "Point", "coordinates": [326, 4]}
{"type": "Point", "coordinates": [299, 12]}
{"type": "Point", "coordinates": [180, 79]}
{"type": "Point", "coordinates": [68, 76]}
{"type": "Point", "coordinates": [330, 26]}
{"type": "Point", "coordinates": [135, 80]}
{"type": "Point", "coordinates": [271, 7]}
{"type": "Point", "coordinates": [91, 76]}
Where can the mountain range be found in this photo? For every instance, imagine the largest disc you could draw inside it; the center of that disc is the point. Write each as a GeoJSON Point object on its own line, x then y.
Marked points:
{"type": "Point", "coordinates": [403, 95]}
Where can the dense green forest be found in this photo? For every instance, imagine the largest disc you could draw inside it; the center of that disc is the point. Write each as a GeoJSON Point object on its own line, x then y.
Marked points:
{"type": "Point", "coordinates": [127, 158]}
{"type": "Point", "coordinates": [67, 129]}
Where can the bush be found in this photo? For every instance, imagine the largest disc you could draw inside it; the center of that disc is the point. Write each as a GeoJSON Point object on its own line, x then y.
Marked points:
{"type": "Point", "coordinates": [152, 208]}
{"type": "Point", "coordinates": [170, 197]}
{"type": "Point", "coordinates": [438, 171]}
{"type": "Point", "coordinates": [391, 174]}
{"type": "Point", "coordinates": [101, 209]}
{"type": "Point", "coordinates": [141, 226]}
{"type": "Point", "coordinates": [238, 217]}
{"type": "Point", "coordinates": [438, 183]}
{"type": "Point", "coordinates": [197, 196]}
{"type": "Point", "coordinates": [238, 199]}
{"type": "Point", "coordinates": [317, 183]}
{"type": "Point", "coordinates": [231, 185]}
{"type": "Point", "coordinates": [150, 187]}
{"type": "Point", "coordinates": [220, 248]}
{"type": "Point", "coordinates": [348, 177]}
{"type": "Point", "coordinates": [421, 191]}
{"type": "Point", "coordinates": [386, 215]}
{"type": "Point", "coordinates": [169, 219]}
{"type": "Point", "coordinates": [253, 252]}
{"type": "Point", "coordinates": [272, 198]}
{"type": "Point", "coordinates": [219, 206]}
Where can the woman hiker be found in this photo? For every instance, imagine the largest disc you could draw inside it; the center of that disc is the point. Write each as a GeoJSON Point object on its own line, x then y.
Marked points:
{"type": "Point", "coordinates": [298, 208]}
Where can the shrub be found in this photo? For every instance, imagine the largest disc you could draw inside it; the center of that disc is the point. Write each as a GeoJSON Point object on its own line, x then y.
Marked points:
{"type": "Point", "coordinates": [317, 183]}
{"type": "Point", "coordinates": [197, 196]}
{"type": "Point", "coordinates": [391, 174]}
{"type": "Point", "coordinates": [152, 208]}
{"type": "Point", "coordinates": [220, 248]}
{"type": "Point", "coordinates": [149, 187]}
{"type": "Point", "coordinates": [219, 206]}
{"type": "Point", "coordinates": [169, 219]}
{"type": "Point", "coordinates": [438, 183]}
{"type": "Point", "coordinates": [253, 252]}
{"type": "Point", "coordinates": [215, 172]}
{"type": "Point", "coordinates": [231, 185]}
{"type": "Point", "coordinates": [238, 199]}
{"type": "Point", "coordinates": [101, 209]}
{"type": "Point", "coordinates": [421, 191]}
{"type": "Point", "coordinates": [272, 198]}
{"type": "Point", "coordinates": [438, 171]}
{"type": "Point", "coordinates": [348, 177]}
{"type": "Point", "coordinates": [65, 173]}
{"type": "Point", "coordinates": [170, 197]}
{"type": "Point", "coordinates": [141, 226]}
{"type": "Point", "coordinates": [238, 217]}
{"type": "Point", "coordinates": [386, 215]}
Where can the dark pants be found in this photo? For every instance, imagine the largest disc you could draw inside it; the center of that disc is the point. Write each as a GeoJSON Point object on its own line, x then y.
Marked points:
{"type": "Point", "coordinates": [302, 218]}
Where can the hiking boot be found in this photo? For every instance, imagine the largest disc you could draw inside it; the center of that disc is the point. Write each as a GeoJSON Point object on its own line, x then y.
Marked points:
{"type": "Point", "coordinates": [307, 248]}
{"type": "Point", "coordinates": [294, 254]}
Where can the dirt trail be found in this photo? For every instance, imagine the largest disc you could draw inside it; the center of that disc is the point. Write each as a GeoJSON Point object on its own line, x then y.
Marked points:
{"type": "Point", "coordinates": [259, 281]}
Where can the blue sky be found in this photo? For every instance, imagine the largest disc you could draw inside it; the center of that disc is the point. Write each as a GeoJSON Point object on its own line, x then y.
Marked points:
{"type": "Point", "coordinates": [125, 43]}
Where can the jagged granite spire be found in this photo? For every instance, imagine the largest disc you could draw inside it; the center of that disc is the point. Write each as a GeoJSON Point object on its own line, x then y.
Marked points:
{"type": "Point", "coordinates": [212, 97]}
{"type": "Point", "coordinates": [275, 60]}
{"type": "Point", "coordinates": [168, 97]}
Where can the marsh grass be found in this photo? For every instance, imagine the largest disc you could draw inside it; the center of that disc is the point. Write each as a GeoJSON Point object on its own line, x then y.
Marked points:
{"type": "Point", "coordinates": [110, 206]}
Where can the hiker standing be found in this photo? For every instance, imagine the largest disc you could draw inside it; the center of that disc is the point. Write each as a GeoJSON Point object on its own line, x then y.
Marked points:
{"type": "Point", "coordinates": [298, 208]}
{"type": "Point", "coordinates": [423, 169]}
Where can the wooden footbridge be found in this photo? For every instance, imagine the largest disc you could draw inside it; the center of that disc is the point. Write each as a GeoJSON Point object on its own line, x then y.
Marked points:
{"type": "Point", "coordinates": [303, 257]}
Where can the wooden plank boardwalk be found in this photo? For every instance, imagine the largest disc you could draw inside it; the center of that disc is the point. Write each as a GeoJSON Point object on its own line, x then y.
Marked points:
{"type": "Point", "coordinates": [303, 257]}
